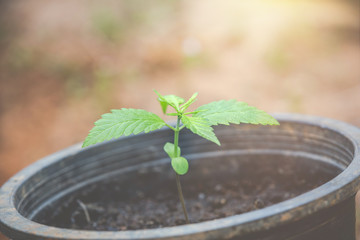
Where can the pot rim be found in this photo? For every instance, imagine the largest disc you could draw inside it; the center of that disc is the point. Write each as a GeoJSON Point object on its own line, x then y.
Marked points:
{"type": "Point", "coordinates": [336, 190]}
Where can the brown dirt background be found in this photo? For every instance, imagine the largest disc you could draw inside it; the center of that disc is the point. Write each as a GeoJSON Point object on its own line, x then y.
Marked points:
{"type": "Point", "coordinates": [62, 64]}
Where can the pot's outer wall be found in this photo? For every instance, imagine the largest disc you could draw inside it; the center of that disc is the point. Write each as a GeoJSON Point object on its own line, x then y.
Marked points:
{"type": "Point", "coordinates": [326, 212]}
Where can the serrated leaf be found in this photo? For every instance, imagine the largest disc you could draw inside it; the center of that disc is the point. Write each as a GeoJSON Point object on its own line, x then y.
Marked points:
{"type": "Point", "coordinates": [232, 111]}
{"type": "Point", "coordinates": [191, 100]}
{"type": "Point", "coordinates": [180, 165]}
{"type": "Point", "coordinates": [169, 148]}
{"type": "Point", "coordinates": [201, 127]}
{"type": "Point", "coordinates": [123, 122]}
{"type": "Point", "coordinates": [172, 100]}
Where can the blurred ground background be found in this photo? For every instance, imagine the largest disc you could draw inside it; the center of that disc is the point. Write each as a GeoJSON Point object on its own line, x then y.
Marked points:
{"type": "Point", "coordinates": [63, 63]}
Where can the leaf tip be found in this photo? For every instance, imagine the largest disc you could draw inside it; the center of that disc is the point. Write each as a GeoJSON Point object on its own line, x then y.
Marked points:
{"type": "Point", "coordinates": [274, 121]}
{"type": "Point", "coordinates": [217, 142]}
{"type": "Point", "coordinates": [157, 93]}
{"type": "Point", "coordinates": [85, 144]}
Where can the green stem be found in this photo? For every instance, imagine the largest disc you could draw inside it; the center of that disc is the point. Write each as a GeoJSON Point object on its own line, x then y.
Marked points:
{"type": "Point", "coordinates": [181, 127]}
{"type": "Point", "coordinates": [178, 184]}
{"type": "Point", "coordinates": [176, 137]}
{"type": "Point", "coordinates": [170, 127]}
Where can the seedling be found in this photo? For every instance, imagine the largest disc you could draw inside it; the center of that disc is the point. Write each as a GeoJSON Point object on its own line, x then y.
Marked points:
{"type": "Point", "coordinates": [134, 121]}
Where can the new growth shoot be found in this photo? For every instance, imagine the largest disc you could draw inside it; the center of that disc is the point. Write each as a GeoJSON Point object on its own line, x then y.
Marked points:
{"type": "Point", "coordinates": [134, 121]}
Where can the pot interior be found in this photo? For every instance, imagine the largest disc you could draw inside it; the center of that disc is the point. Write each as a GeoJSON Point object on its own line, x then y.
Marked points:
{"type": "Point", "coordinates": [131, 179]}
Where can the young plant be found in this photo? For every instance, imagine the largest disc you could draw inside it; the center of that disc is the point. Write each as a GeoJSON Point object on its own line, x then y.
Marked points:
{"type": "Point", "coordinates": [134, 121]}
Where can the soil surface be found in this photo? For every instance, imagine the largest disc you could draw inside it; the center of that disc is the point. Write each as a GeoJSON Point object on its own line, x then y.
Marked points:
{"type": "Point", "coordinates": [148, 198]}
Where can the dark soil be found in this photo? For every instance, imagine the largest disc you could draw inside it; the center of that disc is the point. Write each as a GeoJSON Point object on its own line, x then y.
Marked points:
{"type": "Point", "coordinates": [213, 188]}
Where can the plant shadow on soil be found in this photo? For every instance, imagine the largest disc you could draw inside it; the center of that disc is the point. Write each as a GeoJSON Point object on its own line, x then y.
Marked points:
{"type": "Point", "coordinates": [214, 188]}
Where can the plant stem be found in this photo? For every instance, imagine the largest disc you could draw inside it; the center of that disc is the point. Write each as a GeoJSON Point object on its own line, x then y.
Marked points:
{"type": "Point", "coordinates": [178, 184]}
{"type": "Point", "coordinates": [176, 137]}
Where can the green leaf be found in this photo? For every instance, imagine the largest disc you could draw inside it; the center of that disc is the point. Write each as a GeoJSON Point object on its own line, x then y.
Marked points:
{"type": "Point", "coordinates": [180, 165]}
{"type": "Point", "coordinates": [232, 111]}
{"type": "Point", "coordinates": [172, 100]}
{"type": "Point", "coordinates": [123, 122]}
{"type": "Point", "coordinates": [189, 102]}
{"type": "Point", "coordinates": [163, 105]}
{"type": "Point", "coordinates": [170, 150]}
{"type": "Point", "coordinates": [201, 127]}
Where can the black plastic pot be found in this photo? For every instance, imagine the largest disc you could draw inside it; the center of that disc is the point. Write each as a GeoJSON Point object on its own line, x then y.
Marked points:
{"type": "Point", "coordinates": [327, 212]}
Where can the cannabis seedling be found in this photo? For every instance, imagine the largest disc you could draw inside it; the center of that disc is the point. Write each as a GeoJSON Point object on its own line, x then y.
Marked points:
{"type": "Point", "coordinates": [134, 121]}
